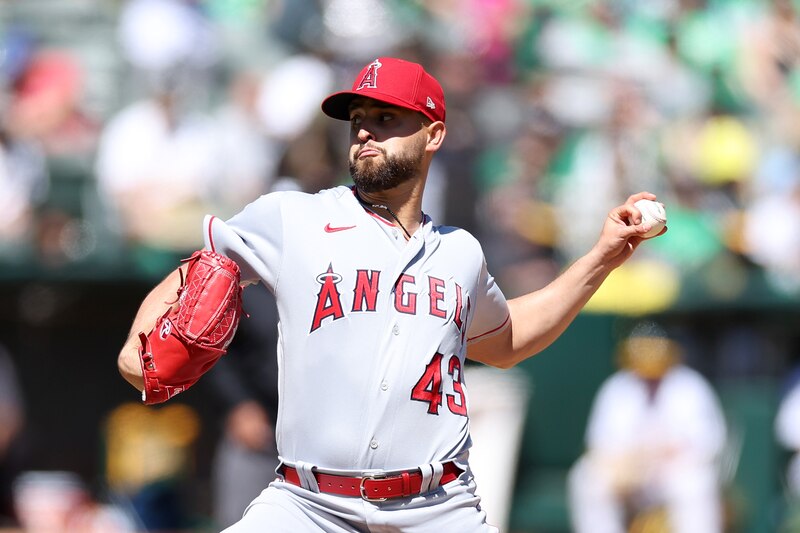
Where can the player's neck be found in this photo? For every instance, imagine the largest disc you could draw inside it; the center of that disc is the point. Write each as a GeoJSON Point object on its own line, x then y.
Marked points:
{"type": "Point", "coordinates": [400, 207]}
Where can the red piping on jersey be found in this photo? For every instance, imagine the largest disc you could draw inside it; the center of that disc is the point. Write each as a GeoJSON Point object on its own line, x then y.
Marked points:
{"type": "Point", "coordinates": [380, 218]}
{"type": "Point", "coordinates": [390, 224]}
{"type": "Point", "coordinates": [425, 218]}
{"type": "Point", "coordinates": [495, 330]}
{"type": "Point", "coordinates": [211, 234]}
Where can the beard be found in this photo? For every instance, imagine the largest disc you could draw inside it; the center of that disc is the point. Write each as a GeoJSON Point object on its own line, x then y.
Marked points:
{"type": "Point", "coordinates": [375, 174]}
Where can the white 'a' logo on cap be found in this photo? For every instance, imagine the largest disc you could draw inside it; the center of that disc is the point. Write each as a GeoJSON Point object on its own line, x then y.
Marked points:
{"type": "Point", "coordinates": [429, 103]}
{"type": "Point", "coordinates": [370, 79]}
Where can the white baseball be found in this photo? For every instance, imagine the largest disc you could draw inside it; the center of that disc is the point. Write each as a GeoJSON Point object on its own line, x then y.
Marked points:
{"type": "Point", "coordinates": [654, 214]}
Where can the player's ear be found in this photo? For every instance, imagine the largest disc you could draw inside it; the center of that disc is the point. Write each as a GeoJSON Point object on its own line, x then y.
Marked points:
{"type": "Point", "coordinates": [436, 133]}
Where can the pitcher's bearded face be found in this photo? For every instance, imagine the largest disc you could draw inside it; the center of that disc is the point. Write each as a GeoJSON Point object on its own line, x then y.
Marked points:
{"type": "Point", "coordinates": [385, 171]}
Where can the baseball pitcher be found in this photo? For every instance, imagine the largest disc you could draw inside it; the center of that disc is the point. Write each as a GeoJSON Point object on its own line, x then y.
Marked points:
{"type": "Point", "coordinates": [379, 308]}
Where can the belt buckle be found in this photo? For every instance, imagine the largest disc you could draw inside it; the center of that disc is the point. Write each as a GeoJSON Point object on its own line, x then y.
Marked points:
{"type": "Point", "coordinates": [363, 490]}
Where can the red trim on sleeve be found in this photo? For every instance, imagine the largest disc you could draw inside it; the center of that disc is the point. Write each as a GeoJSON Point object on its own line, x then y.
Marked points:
{"type": "Point", "coordinates": [495, 330]}
{"type": "Point", "coordinates": [211, 234]}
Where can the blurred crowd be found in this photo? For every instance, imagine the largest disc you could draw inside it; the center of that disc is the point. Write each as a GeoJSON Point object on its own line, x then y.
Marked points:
{"type": "Point", "coordinates": [556, 111]}
{"type": "Point", "coordinates": [122, 123]}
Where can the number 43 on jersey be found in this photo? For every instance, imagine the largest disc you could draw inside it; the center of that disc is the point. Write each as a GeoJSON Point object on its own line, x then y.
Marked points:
{"type": "Point", "coordinates": [429, 388]}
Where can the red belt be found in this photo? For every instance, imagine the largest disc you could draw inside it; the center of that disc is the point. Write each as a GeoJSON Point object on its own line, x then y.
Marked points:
{"type": "Point", "coordinates": [374, 487]}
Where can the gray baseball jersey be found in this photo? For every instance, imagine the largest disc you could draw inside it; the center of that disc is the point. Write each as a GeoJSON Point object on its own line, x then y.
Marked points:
{"type": "Point", "coordinates": [373, 328]}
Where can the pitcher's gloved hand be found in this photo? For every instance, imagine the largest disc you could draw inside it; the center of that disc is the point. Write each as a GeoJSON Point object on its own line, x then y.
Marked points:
{"type": "Point", "coordinates": [192, 335]}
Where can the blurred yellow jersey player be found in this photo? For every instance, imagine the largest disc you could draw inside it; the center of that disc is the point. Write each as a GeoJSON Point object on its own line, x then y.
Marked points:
{"type": "Point", "coordinates": [653, 440]}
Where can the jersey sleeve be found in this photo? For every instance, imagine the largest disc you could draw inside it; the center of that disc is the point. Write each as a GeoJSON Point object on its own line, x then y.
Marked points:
{"type": "Point", "coordinates": [491, 309]}
{"type": "Point", "coordinates": [253, 238]}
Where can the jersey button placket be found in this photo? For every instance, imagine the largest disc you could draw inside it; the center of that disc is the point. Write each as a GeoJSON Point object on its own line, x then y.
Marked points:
{"type": "Point", "coordinates": [373, 444]}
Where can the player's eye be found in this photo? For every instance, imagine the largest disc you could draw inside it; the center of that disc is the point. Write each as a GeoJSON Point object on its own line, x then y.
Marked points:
{"type": "Point", "coordinates": [358, 119]}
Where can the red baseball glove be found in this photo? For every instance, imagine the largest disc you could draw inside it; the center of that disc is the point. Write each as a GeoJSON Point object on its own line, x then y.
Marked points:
{"type": "Point", "coordinates": [190, 337]}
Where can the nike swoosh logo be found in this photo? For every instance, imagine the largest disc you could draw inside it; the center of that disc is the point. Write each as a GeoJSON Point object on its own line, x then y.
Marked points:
{"type": "Point", "coordinates": [334, 229]}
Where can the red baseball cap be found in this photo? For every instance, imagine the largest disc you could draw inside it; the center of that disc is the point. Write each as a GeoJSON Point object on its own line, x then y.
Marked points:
{"type": "Point", "coordinates": [393, 81]}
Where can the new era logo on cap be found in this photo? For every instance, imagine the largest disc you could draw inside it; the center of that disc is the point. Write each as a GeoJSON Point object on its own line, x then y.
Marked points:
{"type": "Point", "coordinates": [393, 81]}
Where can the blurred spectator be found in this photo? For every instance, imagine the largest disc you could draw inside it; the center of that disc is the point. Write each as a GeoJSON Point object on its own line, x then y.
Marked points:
{"type": "Point", "coordinates": [677, 90]}
{"type": "Point", "coordinates": [24, 185]}
{"type": "Point", "coordinates": [246, 383]}
{"type": "Point", "coordinates": [46, 105]}
{"type": "Point", "coordinates": [787, 431]}
{"type": "Point", "coordinates": [708, 37]}
{"type": "Point", "coordinates": [156, 166]}
{"type": "Point", "coordinates": [360, 30]}
{"type": "Point", "coordinates": [12, 419]}
{"type": "Point", "coordinates": [654, 438]}
{"type": "Point", "coordinates": [288, 100]}
{"type": "Point", "coordinates": [587, 52]}
{"type": "Point", "coordinates": [772, 219]}
{"type": "Point", "coordinates": [249, 154]}
{"type": "Point", "coordinates": [244, 36]}
{"type": "Point", "coordinates": [47, 142]}
{"type": "Point", "coordinates": [59, 502]}
{"type": "Point", "coordinates": [517, 213]}
{"type": "Point", "coordinates": [487, 31]}
{"type": "Point", "coordinates": [769, 65]}
{"type": "Point", "coordinates": [148, 459]}
{"type": "Point", "coordinates": [787, 434]}
{"type": "Point", "coordinates": [611, 159]}
{"type": "Point", "coordinates": [296, 25]}
{"type": "Point", "coordinates": [308, 163]}
{"type": "Point", "coordinates": [453, 180]}
{"type": "Point", "coordinates": [157, 36]}
{"type": "Point", "coordinates": [270, 120]}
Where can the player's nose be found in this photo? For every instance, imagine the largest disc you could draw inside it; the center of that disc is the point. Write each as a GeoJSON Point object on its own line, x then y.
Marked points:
{"type": "Point", "coordinates": [365, 135]}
